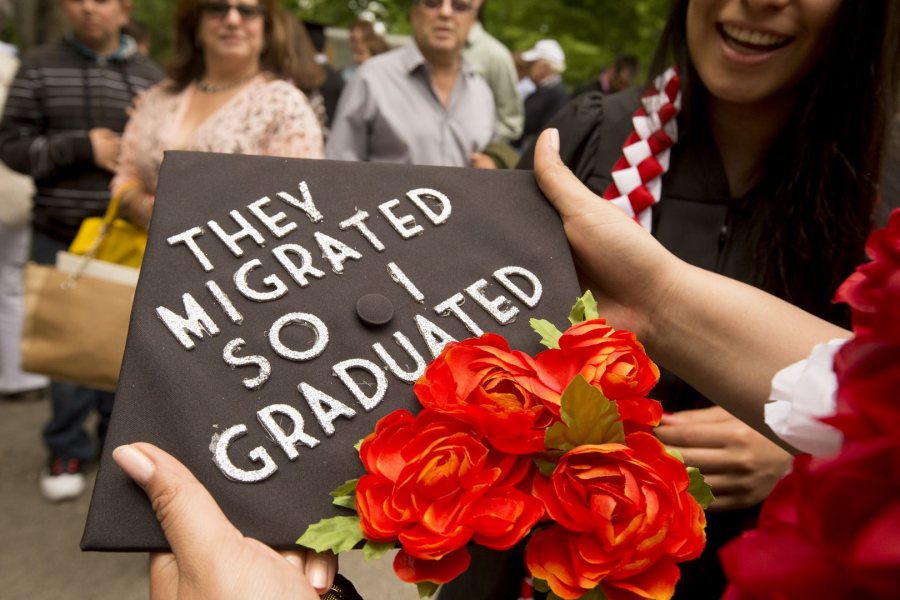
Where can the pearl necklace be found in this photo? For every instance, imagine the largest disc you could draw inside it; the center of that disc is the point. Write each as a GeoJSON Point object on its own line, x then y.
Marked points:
{"type": "Point", "coordinates": [207, 88]}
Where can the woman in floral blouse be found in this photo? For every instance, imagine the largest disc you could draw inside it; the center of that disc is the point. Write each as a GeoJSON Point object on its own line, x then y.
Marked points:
{"type": "Point", "coordinates": [227, 91]}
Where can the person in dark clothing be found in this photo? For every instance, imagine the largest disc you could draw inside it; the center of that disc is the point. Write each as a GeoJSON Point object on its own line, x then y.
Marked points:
{"type": "Point", "coordinates": [769, 182]}
{"type": "Point", "coordinates": [547, 63]}
{"type": "Point", "coordinates": [334, 83]}
{"type": "Point", "coordinates": [614, 78]}
{"type": "Point", "coordinates": [62, 124]}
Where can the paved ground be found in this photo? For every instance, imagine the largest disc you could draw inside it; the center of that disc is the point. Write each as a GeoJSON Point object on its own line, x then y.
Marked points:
{"type": "Point", "coordinates": [39, 554]}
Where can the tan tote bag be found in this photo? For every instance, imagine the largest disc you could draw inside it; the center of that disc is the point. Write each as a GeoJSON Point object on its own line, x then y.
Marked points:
{"type": "Point", "coordinates": [76, 322]}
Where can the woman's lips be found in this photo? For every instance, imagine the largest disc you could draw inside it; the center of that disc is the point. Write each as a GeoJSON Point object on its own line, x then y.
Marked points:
{"type": "Point", "coordinates": [750, 41]}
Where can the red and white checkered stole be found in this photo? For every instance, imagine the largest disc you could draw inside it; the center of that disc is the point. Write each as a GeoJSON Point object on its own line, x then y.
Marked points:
{"type": "Point", "coordinates": [637, 175]}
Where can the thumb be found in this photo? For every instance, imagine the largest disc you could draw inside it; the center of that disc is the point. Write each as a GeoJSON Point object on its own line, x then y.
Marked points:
{"type": "Point", "coordinates": [190, 518]}
{"type": "Point", "coordinates": [566, 192]}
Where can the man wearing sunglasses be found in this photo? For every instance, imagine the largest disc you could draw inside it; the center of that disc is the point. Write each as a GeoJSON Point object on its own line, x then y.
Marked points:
{"type": "Point", "coordinates": [419, 104]}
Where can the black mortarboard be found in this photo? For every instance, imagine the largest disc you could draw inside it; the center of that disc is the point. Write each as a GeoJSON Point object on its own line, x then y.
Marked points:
{"type": "Point", "coordinates": [276, 292]}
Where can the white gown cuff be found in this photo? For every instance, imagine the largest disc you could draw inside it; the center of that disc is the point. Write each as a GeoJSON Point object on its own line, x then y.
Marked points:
{"type": "Point", "coordinates": [802, 393]}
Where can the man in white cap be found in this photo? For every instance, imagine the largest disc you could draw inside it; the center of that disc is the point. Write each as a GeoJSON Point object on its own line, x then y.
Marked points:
{"type": "Point", "coordinates": [548, 61]}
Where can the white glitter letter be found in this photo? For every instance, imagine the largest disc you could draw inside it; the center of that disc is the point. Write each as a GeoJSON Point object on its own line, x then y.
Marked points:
{"type": "Point", "coordinates": [225, 302]}
{"type": "Point", "coordinates": [287, 442]}
{"type": "Point", "coordinates": [400, 277]}
{"type": "Point", "coordinates": [231, 239]}
{"type": "Point", "coordinates": [271, 221]}
{"type": "Point", "coordinates": [434, 336]}
{"type": "Point", "coordinates": [257, 455]}
{"type": "Point", "coordinates": [316, 398]}
{"type": "Point", "coordinates": [187, 238]}
{"type": "Point", "coordinates": [335, 251]}
{"type": "Point", "coordinates": [297, 273]}
{"type": "Point", "coordinates": [272, 281]}
{"type": "Point", "coordinates": [537, 290]}
{"type": "Point", "coordinates": [197, 322]}
{"type": "Point", "coordinates": [453, 306]}
{"type": "Point", "coordinates": [307, 206]}
{"type": "Point", "coordinates": [358, 221]}
{"type": "Point", "coordinates": [418, 197]}
{"type": "Point", "coordinates": [394, 366]}
{"type": "Point", "coordinates": [265, 368]}
{"type": "Point", "coordinates": [499, 307]}
{"type": "Point", "coordinates": [405, 226]}
{"type": "Point", "coordinates": [368, 401]}
{"type": "Point", "coordinates": [307, 320]}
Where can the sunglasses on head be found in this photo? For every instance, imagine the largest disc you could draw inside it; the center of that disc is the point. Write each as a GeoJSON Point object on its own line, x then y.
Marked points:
{"type": "Point", "coordinates": [459, 6]}
{"type": "Point", "coordinates": [220, 10]}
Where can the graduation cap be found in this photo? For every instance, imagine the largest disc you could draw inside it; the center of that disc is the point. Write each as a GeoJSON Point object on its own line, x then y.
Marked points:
{"type": "Point", "coordinates": [286, 305]}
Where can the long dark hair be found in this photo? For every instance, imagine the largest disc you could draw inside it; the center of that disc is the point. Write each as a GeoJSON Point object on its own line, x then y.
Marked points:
{"type": "Point", "coordinates": [307, 74]}
{"type": "Point", "coordinates": [817, 194]}
{"type": "Point", "coordinates": [187, 62]}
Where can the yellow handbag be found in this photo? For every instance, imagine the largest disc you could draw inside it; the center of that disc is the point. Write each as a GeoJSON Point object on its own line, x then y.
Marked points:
{"type": "Point", "coordinates": [110, 238]}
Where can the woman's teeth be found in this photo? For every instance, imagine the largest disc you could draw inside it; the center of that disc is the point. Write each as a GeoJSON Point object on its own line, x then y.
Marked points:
{"type": "Point", "coordinates": [754, 39]}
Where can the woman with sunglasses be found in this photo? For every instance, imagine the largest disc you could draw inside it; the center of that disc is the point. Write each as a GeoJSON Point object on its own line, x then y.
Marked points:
{"type": "Point", "coordinates": [227, 91]}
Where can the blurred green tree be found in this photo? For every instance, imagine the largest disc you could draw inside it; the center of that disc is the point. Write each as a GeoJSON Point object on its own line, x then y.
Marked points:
{"type": "Point", "coordinates": [592, 32]}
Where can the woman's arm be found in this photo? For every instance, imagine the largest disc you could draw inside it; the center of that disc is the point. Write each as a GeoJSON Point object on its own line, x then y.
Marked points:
{"type": "Point", "coordinates": [136, 201]}
{"type": "Point", "coordinates": [725, 338]}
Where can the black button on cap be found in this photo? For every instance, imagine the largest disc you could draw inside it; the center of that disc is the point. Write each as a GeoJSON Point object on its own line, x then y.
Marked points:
{"type": "Point", "coordinates": [374, 309]}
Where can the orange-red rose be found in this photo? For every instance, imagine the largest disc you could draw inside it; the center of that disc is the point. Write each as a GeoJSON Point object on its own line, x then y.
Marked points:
{"type": "Point", "coordinates": [612, 360]}
{"type": "Point", "coordinates": [434, 485]}
{"type": "Point", "coordinates": [623, 519]}
{"type": "Point", "coordinates": [484, 383]}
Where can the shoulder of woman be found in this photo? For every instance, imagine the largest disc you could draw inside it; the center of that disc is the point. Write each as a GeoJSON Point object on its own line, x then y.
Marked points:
{"type": "Point", "coordinates": [165, 88]}
{"type": "Point", "coordinates": [277, 85]}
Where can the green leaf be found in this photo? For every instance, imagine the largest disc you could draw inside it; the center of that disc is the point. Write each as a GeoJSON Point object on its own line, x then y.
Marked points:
{"type": "Point", "coordinates": [375, 550]}
{"type": "Point", "coordinates": [347, 488]}
{"type": "Point", "coordinates": [546, 467]}
{"type": "Point", "coordinates": [675, 453]}
{"type": "Point", "coordinates": [345, 502]}
{"type": "Point", "coordinates": [585, 309]}
{"type": "Point", "coordinates": [426, 589]}
{"type": "Point", "coordinates": [588, 417]}
{"type": "Point", "coordinates": [540, 585]}
{"type": "Point", "coordinates": [594, 594]}
{"type": "Point", "coordinates": [337, 534]}
{"type": "Point", "coordinates": [699, 489]}
{"type": "Point", "coordinates": [358, 444]}
{"type": "Point", "coordinates": [548, 331]}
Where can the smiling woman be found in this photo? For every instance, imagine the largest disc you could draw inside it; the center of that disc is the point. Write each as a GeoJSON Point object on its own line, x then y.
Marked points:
{"type": "Point", "coordinates": [771, 180]}
{"type": "Point", "coordinates": [227, 92]}
{"type": "Point", "coordinates": [746, 56]}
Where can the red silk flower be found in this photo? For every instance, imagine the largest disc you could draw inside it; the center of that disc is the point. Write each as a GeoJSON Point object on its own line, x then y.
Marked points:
{"type": "Point", "coordinates": [829, 530]}
{"type": "Point", "coordinates": [623, 519]}
{"type": "Point", "coordinates": [865, 289]}
{"type": "Point", "coordinates": [482, 382]}
{"type": "Point", "coordinates": [433, 484]}
{"type": "Point", "coordinates": [610, 359]}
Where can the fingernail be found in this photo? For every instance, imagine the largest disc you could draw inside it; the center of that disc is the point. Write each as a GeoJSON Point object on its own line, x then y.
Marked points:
{"type": "Point", "coordinates": [553, 138]}
{"type": "Point", "coordinates": [318, 575]}
{"type": "Point", "coordinates": [135, 463]}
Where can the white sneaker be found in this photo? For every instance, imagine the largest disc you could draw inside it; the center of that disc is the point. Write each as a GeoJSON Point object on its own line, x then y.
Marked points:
{"type": "Point", "coordinates": [63, 480]}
